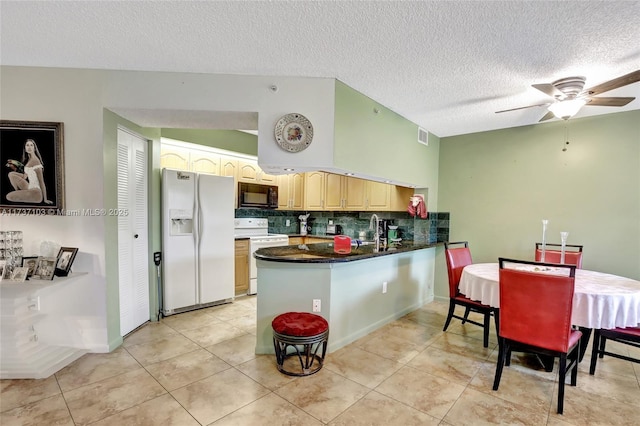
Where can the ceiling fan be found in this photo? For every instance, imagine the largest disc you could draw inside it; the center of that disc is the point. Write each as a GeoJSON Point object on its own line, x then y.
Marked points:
{"type": "Point", "coordinates": [569, 95]}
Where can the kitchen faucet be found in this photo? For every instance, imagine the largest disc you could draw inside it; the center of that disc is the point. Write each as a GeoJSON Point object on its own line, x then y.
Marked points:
{"type": "Point", "coordinates": [376, 235]}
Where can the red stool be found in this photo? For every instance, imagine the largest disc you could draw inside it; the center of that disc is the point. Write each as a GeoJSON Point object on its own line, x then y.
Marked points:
{"type": "Point", "coordinates": [300, 331]}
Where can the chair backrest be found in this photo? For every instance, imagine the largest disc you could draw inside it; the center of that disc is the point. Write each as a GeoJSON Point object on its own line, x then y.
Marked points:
{"type": "Point", "coordinates": [572, 254]}
{"type": "Point", "coordinates": [457, 259]}
{"type": "Point", "coordinates": [536, 300]}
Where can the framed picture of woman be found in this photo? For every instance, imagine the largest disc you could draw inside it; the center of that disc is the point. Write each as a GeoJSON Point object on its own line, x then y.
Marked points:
{"type": "Point", "coordinates": [32, 160]}
{"type": "Point", "coordinates": [66, 255]}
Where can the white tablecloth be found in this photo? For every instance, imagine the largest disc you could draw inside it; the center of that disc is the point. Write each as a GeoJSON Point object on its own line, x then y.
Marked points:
{"type": "Point", "coordinates": [600, 300]}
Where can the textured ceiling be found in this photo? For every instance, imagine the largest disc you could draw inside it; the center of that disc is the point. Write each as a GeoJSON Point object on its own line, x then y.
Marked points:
{"type": "Point", "coordinates": [444, 65]}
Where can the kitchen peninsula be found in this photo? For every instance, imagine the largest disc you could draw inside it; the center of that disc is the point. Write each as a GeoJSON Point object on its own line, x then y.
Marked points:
{"type": "Point", "coordinates": [359, 292]}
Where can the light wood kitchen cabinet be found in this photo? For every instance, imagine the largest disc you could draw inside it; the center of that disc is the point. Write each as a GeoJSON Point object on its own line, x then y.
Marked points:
{"type": "Point", "coordinates": [249, 171]}
{"type": "Point", "coordinates": [378, 196]}
{"type": "Point", "coordinates": [229, 167]}
{"type": "Point", "coordinates": [173, 157]}
{"type": "Point", "coordinates": [308, 240]}
{"type": "Point", "coordinates": [205, 162]}
{"type": "Point", "coordinates": [399, 198]}
{"type": "Point", "coordinates": [314, 191]}
{"type": "Point", "coordinates": [355, 194]}
{"type": "Point", "coordinates": [314, 240]}
{"type": "Point", "coordinates": [330, 191]}
{"type": "Point", "coordinates": [294, 241]}
{"type": "Point", "coordinates": [291, 191]}
{"type": "Point", "coordinates": [242, 267]}
{"type": "Point", "coordinates": [344, 193]}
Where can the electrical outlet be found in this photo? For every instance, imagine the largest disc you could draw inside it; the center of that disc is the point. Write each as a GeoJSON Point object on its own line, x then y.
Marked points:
{"type": "Point", "coordinates": [288, 223]}
{"type": "Point", "coordinates": [384, 287]}
{"type": "Point", "coordinates": [316, 305]}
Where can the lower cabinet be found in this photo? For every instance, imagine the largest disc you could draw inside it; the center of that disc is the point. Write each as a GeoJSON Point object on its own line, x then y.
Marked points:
{"type": "Point", "coordinates": [293, 241]}
{"type": "Point", "coordinates": [308, 240]}
{"type": "Point", "coordinates": [242, 267]}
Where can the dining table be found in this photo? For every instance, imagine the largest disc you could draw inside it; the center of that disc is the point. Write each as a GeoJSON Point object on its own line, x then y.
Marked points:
{"type": "Point", "coordinates": [600, 300]}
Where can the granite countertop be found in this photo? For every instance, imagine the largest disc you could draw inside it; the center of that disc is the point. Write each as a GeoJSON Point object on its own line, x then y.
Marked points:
{"type": "Point", "coordinates": [323, 252]}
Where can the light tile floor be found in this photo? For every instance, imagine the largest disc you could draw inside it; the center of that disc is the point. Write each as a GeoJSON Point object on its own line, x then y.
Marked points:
{"type": "Point", "coordinates": [198, 368]}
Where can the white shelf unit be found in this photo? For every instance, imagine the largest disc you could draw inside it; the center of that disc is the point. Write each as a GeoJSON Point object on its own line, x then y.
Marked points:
{"type": "Point", "coordinates": [35, 337]}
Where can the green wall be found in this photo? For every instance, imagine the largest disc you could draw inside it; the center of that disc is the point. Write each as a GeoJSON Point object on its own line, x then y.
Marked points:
{"type": "Point", "coordinates": [499, 185]}
{"type": "Point", "coordinates": [230, 140]}
{"type": "Point", "coordinates": [364, 140]}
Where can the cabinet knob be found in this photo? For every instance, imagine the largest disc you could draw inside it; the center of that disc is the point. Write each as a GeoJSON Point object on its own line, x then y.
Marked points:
{"type": "Point", "coordinates": [135, 235]}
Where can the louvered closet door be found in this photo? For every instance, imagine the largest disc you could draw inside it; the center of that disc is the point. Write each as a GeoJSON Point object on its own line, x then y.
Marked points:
{"type": "Point", "coordinates": [133, 259]}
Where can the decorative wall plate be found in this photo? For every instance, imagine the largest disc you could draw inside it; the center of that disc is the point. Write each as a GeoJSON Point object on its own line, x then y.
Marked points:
{"type": "Point", "coordinates": [294, 132]}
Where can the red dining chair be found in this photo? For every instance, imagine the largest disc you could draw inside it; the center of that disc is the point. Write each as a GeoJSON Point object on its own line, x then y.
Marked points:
{"type": "Point", "coordinates": [572, 254]}
{"type": "Point", "coordinates": [535, 316]}
{"type": "Point", "coordinates": [457, 259]}
{"type": "Point", "coordinates": [628, 336]}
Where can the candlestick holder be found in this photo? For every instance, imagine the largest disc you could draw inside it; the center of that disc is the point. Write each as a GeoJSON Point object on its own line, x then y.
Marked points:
{"type": "Point", "coordinates": [563, 242]}
{"type": "Point", "coordinates": [545, 222]}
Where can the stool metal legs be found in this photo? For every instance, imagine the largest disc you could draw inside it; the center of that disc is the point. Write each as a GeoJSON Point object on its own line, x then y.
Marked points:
{"type": "Point", "coordinates": [307, 355]}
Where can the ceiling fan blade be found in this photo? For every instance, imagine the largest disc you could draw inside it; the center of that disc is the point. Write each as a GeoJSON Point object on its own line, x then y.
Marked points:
{"type": "Point", "coordinates": [547, 116]}
{"type": "Point", "coordinates": [630, 78]}
{"type": "Point", "coordinates": [617, 102]}
{"type": "Point", "coordinates": [550, 90]}
{"type": "Point", "coordinates": [528, 106]}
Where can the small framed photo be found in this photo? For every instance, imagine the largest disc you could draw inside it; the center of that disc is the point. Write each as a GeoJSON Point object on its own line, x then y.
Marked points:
{"type": "Point", "coordinates": [66, 255]}
{"type": "Point", "coordinates": [3, 267]}
{"type": "Point", "coordinates": [30, 262]}
{"type": "Point", "coordinates": [19, 274]}
{"type": "Point", "coordinates": [45, 268]}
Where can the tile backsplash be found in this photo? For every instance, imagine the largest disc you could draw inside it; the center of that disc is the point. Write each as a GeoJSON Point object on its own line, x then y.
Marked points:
{"type": "Point", "coordinates": [433, 229]}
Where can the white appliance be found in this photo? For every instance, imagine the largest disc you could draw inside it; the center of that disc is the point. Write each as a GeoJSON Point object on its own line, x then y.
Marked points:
{"type": "Point", "coordinates": [257, 230]}
{"type": "Point", "coordinates": [197, 240]}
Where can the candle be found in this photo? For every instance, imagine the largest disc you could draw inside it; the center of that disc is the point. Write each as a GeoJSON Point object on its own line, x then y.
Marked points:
{"type": "Point", "coordinates": [563, 241]}
{"type": "Point", "coordinates": [545, 222]}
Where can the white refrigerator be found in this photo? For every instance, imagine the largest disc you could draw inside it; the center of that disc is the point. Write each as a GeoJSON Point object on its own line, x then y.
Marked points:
{"type": "Point", "coordinates": [197, 240]}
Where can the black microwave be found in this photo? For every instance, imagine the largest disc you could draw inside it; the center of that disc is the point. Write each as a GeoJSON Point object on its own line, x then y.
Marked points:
{"type": "Point", "coordinates": [257, 195]}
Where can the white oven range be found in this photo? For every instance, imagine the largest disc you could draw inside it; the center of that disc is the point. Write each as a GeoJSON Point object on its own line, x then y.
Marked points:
{"type": "Point", "coordinates": [257, 230]}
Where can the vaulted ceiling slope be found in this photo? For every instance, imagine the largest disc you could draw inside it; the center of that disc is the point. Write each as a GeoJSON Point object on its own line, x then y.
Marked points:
{"type": "Point", "coordinates": [447, 66]}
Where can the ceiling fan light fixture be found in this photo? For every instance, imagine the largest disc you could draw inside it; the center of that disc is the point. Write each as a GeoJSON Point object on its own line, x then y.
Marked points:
{"type": "Point", "coordinates": [567, 109]}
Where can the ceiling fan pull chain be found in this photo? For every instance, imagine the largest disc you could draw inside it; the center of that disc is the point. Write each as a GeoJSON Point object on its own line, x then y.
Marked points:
{"type": "Point", "coordinates": [566, 135]}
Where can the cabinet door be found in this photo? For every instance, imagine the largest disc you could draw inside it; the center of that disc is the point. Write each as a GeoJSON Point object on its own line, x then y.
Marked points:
{"type": "Point", "coordinates": [314, 191]}
{"type": "Point", "coordinates": [228, 166]}
{"type": "Point", "coordinates": [284, 199]}
{"type": "Point", "coordinates": [355, 194]}
{"type": "Point", "coordinates": [172, 157]}
{"type": "Point", "coordinates": [400, 198]}
{"type": "Point", "coordinates": [265, 178]}
{"type": "Point", "coordinates": [296, 190]}
{"type": "Point", "coordinates": [241, 267]}
{"type": "Point", "coordinates": [378, 196]}
{"type": "Point", "coordinates": [333, 194]}
{"type": "Point", "coordinates": [204, 162]}
{"type": "Point", "coordinates": [294, 241]}
{"type": "Point", "coordinates": [248, 172]}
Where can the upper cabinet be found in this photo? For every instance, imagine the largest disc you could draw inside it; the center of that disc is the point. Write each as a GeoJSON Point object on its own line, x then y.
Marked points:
{"type": "Point", "coordinates": [173, 157]}
{"type": "Point", "coordinates": [330, 191]}
{"type": "Point", "coordinates": [250, 171]}
{"type": "Point", "coordinates": [205, 162]}
{"type": "Point", "coordinates": [314, 193]}
{"type": "Point", "coordinates": [291, 189]}
{"type": "Point", "coordinates": [297, 191]}
{"type": "Point", "coordinates": [378, 196]}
